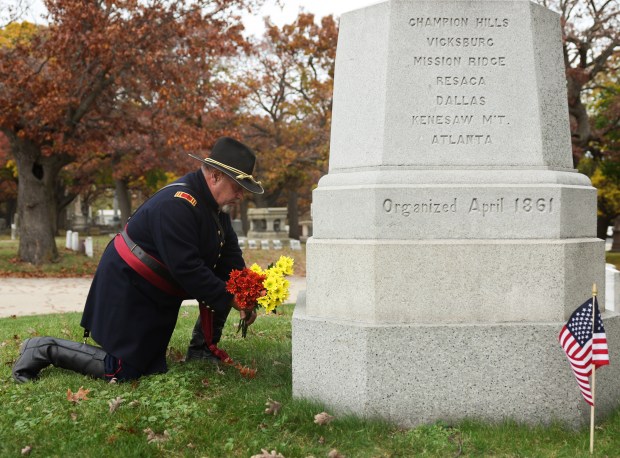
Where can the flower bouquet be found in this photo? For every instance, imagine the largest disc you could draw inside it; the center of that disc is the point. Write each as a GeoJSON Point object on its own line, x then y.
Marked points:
{"type": "Point", "coordinates": [256, 287]}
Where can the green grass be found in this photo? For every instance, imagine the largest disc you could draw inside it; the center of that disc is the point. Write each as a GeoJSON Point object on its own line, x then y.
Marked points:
{"type": "Point", "coordinates": [216, 413]}
{"type": "Point", "coordinates": [211, 412]}
{"type": "Point", "coordinates": [613, 258]}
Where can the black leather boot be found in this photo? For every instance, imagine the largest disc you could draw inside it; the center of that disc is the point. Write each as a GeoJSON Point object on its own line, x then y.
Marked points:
{"type": "Point", "coordinates": [198, 349]}
{"type": "Point", "coordinates": [39, 352]}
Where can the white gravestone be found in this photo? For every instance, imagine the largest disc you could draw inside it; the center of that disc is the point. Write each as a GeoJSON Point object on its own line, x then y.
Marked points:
{"type": "Point", "coordinates": [277, 244]}
{"type": "Point", "coordinates": [452, 236]}
{"type": "Point", "coordinates": [264, 244]}
{"type": "Point", "coordinates": [68, 240]}
{"type": "Point", "coordinates": [88, 247]}
{"type": "Point", "coordinates": [612, 288]}
{"type": "Point", "coordinates": [75, 241]}
{"type": "Point", "coordinates": [252, 244]}
{"type": "Point", "coordinates": [295, 245]}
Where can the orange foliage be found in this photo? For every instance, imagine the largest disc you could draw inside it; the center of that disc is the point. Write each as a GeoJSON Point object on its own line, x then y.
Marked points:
{"type": "Point", "coordinates": [290, 98]}
{"type": "Point", "coordinates": [125, 84]}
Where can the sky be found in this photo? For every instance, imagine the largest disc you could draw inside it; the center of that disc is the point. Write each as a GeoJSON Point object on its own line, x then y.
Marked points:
{"type": "Point", "coordinates": [320, 8]}
{"type": "Point", "coordinates": [279, 15]}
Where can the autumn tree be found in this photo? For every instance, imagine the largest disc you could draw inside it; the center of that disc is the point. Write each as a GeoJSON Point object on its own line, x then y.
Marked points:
{"type": "Point", "coordinates": [290, 101]}
{"type": "Point", "coordinates": [605, 116]}
{"type": "Point", "coordinates": [8, 182]}
{"type": "Point", "coordinates": [591, 37]}
{"type": "Point", "coordinates": [99, 74]}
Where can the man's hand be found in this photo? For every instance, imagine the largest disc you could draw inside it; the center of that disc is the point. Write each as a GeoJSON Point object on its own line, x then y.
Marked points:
{"type": "Point", "coordinates": [249, 317]}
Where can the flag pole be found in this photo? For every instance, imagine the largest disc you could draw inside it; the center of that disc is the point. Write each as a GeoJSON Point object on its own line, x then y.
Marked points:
{"type": "Point", "coordinates": [593, 368]}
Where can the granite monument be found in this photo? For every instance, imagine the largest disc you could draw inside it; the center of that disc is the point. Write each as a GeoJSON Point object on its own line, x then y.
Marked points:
{"type": "Point", "coordinates": [452, 237]}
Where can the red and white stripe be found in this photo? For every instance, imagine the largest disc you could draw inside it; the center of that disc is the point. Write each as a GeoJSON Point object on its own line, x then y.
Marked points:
{"type": "Point", "coordinates": [600, 353]}
{"type": "Point", "coordinates": [580, 359]}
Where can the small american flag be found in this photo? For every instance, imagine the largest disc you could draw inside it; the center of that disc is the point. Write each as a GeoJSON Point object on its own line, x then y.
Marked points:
{"type": "Point", "coordinates": [582, 347]}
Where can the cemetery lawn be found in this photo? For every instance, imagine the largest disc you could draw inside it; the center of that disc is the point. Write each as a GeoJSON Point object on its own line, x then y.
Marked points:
{"type": "Point", "coordinates": [198, 409]}
{"type": "Point", "coordinates": [74, 264]}
{"type": "Point", "coordinates": [613, 258]}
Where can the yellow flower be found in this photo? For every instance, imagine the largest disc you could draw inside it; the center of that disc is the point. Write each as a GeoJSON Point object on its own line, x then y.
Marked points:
{"type": "Point", "coordinates": [256, 268]}
{"type": "Point", "coordinates": [285, 264]}
{"type": "Point", "coordinates": [276, 286]}
{"type": "Point", "coordinates": [269, 283]}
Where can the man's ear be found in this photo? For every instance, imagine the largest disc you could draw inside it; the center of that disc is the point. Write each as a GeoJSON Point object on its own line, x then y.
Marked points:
{"type": "Point", "coordinates": [211, 175]}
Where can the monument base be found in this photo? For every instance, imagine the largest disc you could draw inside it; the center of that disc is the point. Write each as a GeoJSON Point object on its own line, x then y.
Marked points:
{"type": "Point", "coordinates": [416, 374]}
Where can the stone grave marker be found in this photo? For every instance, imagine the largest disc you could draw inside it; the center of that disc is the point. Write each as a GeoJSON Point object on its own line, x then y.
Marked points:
{"type": "Point", "coordinates": [75, 241]}
{"type": "Point", "coordinates": [88, 247]}
{"type": "Point", "coordinates": [452, 237]}
{"type": "Point", "coordinates": [69, 240]}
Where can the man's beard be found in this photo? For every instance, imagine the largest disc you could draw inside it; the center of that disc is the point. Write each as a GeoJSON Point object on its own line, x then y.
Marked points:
{"type": "Point", "coordinates": [226, 208]}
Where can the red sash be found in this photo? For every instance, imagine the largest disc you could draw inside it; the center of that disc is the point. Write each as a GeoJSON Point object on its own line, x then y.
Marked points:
{"type": "Point", "coordinates": [206, 322]}
{"type": "Point", "coordinates": [143, 270]}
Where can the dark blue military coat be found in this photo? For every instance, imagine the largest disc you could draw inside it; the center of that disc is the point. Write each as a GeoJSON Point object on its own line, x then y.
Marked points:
{"type": "Point", "coordinates": [133, 319]}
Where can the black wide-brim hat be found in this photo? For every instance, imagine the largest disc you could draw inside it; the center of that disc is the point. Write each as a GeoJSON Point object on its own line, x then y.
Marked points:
{"type": "Point", "coordinates": [236, 160]}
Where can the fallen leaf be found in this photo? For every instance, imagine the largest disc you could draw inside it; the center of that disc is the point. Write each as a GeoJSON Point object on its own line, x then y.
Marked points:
{"type": "Point", "coordinates": [219, 370]}
{"type": "Point", "coordinates": [26, 450]}
{"type": "Point", "coordinates": [115, 403]}
{"type": "Point", "coordinates": [113, 380]}
{"type": "Point", "coordinates": [265, 454]}
{"type": "Point", "coordinates": [130, 429]}
{"type": "Point", "coordinates": [74, 416]}
{"type": "Point", "coordinates": [135, 403]}
{"type": "Point", "coordinates": [190, 445]}
{"type": "Point", "coordinates": [323, 418]}
{"type": "Point", "coordinates": [246, 372]}
{"type": "Point", "coordinates": [79, 396]}
{"type": "Point", "coordinates": [334, 454]}
{"type": "Point", "coordinates": [66, 332]}
{"type": "Point", "coordinates": [185, 314]}
{"type": "Point", "coordinates": [321, 440]}
{"type": "Point", "coordinates": [32, 331]}
{"type": "Point", "coordinates": [273, 407]}
{"type": "Point", "coordinates": [205, 382]}
{"type": "Point", "coordinates": [153, 437]}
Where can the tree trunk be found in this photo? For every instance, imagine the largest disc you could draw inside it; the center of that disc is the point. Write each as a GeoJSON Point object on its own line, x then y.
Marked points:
{"type": "Point", "coordinates": [11, 208]}
{"type": "Point", "coordinates": [615, 246]}
{"type": "Point", "coordinates": [293, 216]}
{"type": "Point", "coordinates": [36, 204]}
{"type": "Point", "coordinates": [62, 201]}
{"type": "Point", "coordinates": [245, 222]}
{"type": "Point", "coordinates": [580, 125]}
{"type": "Point", "coordinates": [260, 200]}
{"type": "Point", "coordinates": [124, 200]}
{"type": "Point", "coordinates": [601, 226]}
